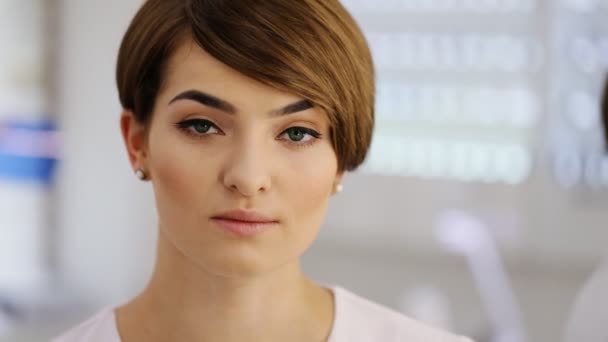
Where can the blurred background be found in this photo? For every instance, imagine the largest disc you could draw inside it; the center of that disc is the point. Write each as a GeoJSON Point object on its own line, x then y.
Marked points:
{"type": "Point", "coordinates": [481, 208]}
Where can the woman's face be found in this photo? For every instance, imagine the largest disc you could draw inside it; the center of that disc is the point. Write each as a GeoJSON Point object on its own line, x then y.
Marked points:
{"type": "Point", "coordinates": [222, 151]}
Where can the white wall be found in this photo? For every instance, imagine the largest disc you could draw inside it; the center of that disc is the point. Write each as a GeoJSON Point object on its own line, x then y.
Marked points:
{"type": "Point", "coordinates": [106, 225]}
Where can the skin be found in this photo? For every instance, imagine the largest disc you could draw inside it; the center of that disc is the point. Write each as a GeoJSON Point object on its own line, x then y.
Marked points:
{"type": "Point", "coordinates": [209, 284]}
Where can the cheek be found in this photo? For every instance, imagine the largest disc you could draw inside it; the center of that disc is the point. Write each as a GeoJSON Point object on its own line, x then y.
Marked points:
{"type": "Point", "coordinates": [310, 185]}
{"type": "Point", "coordinates": [178, 175]}
{"type": "Point", "coordinates": [168, 165]}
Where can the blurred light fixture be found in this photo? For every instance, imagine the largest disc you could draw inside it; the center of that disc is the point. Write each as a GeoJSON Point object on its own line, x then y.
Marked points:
{"type": "Point", "coordinates": [463, 233]}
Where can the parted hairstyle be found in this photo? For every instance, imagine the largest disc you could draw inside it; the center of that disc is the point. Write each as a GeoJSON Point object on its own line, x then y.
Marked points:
{"type": "Point", "coordinates": [311, 48]}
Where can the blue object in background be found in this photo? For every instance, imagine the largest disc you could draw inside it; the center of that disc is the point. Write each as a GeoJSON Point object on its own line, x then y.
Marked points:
{"type": "Point", "coordinates": [28, 151]}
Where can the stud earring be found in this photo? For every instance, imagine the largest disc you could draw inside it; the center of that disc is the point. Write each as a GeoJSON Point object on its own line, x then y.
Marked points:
{"type": "Point", "coordinates": [139, 173]}
{"type": "Point", "coordinates": [339, 188]}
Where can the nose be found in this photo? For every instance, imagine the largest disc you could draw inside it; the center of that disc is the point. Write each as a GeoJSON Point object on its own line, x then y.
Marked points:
{"type": "Point", "coordinates": [247, 171]}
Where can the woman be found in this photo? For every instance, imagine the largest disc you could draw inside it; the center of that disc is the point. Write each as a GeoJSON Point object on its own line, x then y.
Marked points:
{"type": "Point", "coordinates": [244, 115]}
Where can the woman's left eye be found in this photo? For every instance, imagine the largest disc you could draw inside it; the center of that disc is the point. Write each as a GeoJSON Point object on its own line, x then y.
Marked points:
{"type": "Point", "coordinates": [300, 134]}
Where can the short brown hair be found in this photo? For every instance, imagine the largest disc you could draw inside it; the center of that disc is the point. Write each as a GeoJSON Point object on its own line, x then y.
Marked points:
{"type": "Point", "coordinates": [312, 48]}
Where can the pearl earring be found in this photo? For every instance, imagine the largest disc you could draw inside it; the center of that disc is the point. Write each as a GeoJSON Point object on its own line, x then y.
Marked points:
{"type": "Point", "coordinates": [339, 188]}
{"type": "Point", "coordinates": [139, 173]}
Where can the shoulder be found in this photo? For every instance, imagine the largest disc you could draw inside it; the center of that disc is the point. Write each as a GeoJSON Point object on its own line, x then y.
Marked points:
{"type": "Point", "coordinates": [358, 319]}
{"type": "Point", "coordinates": [99, 328]}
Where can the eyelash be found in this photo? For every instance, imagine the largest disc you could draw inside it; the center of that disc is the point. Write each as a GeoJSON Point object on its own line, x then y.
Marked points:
{"type": "Point", "coordinates": [187, 127]}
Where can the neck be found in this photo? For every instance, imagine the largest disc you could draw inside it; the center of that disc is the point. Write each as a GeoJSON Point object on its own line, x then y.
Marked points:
{"type": "Point", "coordinates": [185, 302]}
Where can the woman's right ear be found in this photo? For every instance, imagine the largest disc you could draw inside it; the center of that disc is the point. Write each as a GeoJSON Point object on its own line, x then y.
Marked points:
{"type": "Point", "coordinates": [134, 136]}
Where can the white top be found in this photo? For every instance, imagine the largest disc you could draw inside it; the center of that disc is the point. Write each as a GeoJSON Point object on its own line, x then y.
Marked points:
{"type": "Point", "coordinates": [590, 312]}
{"type": "Point", "coordinates": [356, 320]}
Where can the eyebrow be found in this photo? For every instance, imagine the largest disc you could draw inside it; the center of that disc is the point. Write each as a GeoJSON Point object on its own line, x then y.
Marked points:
{"type": "Point", "coordinates": [227, 107]}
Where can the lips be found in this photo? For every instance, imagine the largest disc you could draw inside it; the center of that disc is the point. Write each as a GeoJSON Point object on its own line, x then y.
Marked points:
{"type": "Point", "coordinates": [244, 222]}
{"type": "Point", "coordinates": [245, 216]}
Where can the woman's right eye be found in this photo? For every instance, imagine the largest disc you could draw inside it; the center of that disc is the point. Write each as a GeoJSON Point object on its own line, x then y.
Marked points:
{"type": "Point", "coordinates": [198, 127]}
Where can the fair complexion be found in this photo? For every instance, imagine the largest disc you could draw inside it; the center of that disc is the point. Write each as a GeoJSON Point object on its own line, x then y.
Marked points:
{"type": "Point", "coordinates": [219, 142]}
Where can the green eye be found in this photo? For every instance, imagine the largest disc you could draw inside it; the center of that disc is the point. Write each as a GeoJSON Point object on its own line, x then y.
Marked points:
{"type": "Point", "coordinates": [296, 134]}
{"type": "Point", "coordinates": [201, 127]}
{"type": "Point", "coordinates": [198, 127]}
{"type": "Point", "coordinates": [300, 135]}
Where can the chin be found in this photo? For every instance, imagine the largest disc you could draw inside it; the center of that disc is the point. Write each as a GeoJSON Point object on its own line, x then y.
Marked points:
{"type": "Point", "coordinates": [240, 263]}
